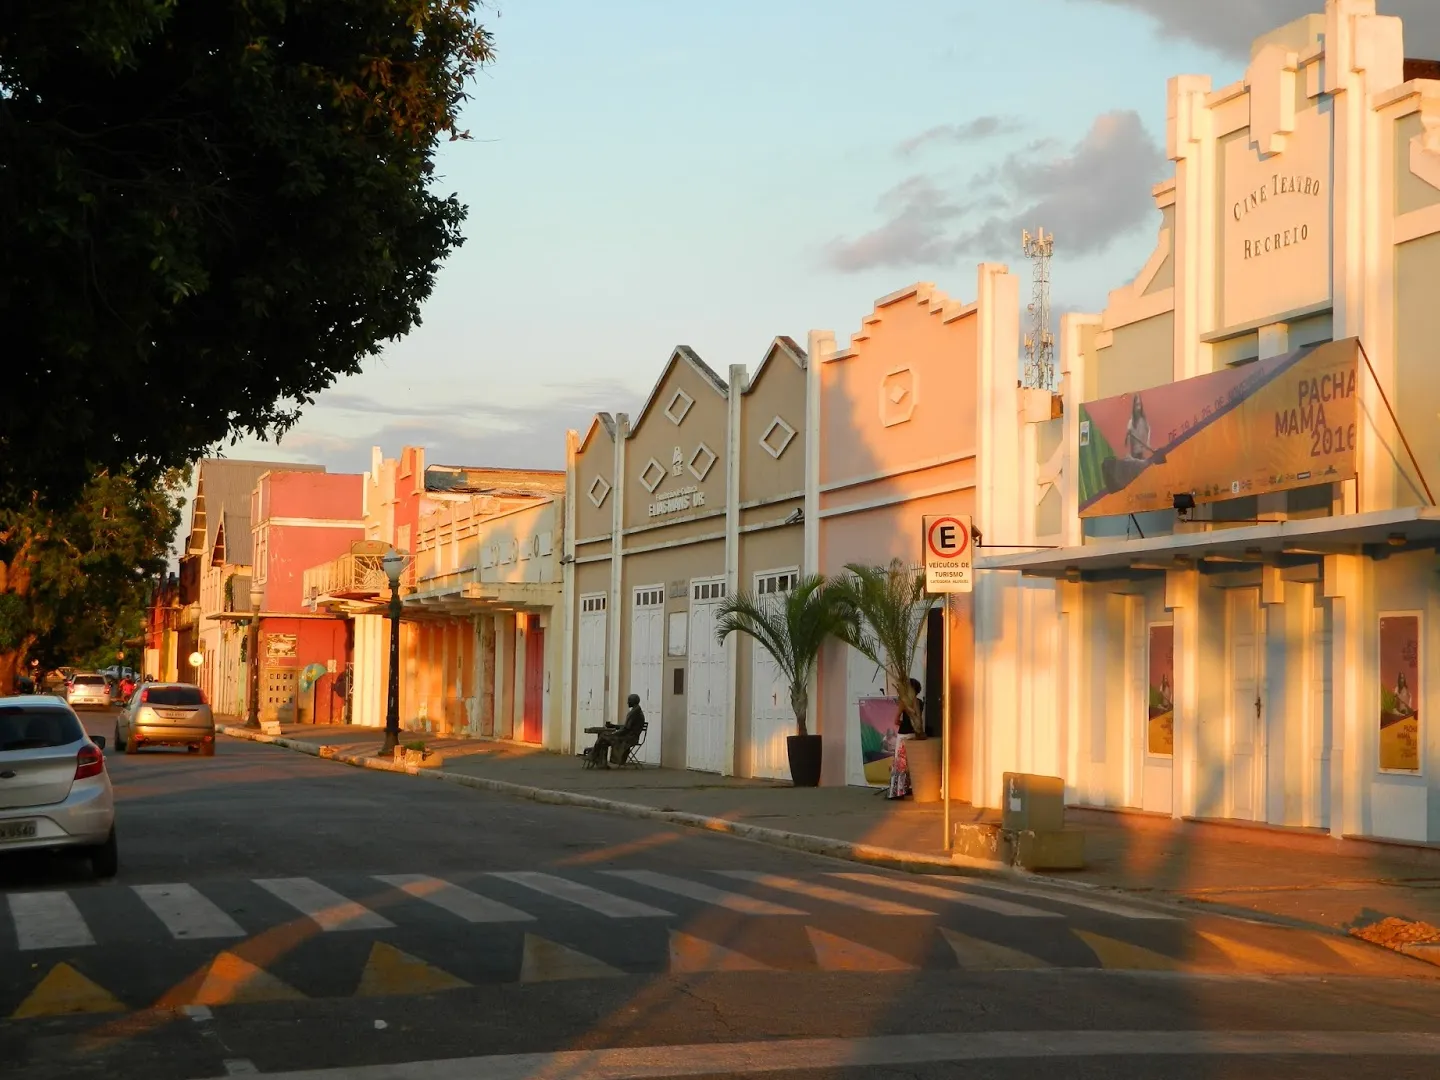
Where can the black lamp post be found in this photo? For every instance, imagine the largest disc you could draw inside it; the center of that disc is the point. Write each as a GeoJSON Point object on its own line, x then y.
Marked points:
{"type": "Point", "coordinates": [252, 654]}
{"type": "Point", "coordinates": [394, 563]}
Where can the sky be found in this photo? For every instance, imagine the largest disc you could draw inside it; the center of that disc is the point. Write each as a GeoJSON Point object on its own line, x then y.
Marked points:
{"type": "Point", "coordinates": [650, 173]}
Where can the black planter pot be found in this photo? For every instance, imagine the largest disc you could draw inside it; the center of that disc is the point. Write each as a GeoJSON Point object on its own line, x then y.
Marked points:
{"type": "Point", "coordinates": [804, 753]}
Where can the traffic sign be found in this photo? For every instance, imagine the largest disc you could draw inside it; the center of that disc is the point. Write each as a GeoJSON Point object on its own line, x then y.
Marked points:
{"type": "Point", "coordinates": [949, 551]}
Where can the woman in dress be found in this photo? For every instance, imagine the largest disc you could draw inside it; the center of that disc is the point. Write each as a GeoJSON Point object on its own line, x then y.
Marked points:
{"type": "Point", "coordinates": [900, 785]}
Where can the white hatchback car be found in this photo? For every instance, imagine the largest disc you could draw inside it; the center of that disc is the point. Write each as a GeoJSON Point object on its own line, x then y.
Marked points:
{"type": "Point", "coordinates": [54, 789]}
{"type": "Point", "coordinates": [88, 690]}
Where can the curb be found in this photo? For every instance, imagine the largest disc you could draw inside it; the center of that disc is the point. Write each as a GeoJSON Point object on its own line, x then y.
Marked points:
{"type": "Point", "coordinates": [846, 850]}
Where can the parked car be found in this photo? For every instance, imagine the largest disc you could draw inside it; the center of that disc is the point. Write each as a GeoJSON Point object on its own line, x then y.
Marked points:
{"type": "Point", "coordinates": [54, 789]}
{"type": "Point", "coordinates": [88, 690]}
{"type": "Point", "coordinates": [167, 714]}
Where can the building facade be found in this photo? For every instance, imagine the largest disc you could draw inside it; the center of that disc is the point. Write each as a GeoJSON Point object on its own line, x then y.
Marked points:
{"type": "Point", "coordinates": [1233, 532]}
{"type": "Point", "coordinates": [701, 496]}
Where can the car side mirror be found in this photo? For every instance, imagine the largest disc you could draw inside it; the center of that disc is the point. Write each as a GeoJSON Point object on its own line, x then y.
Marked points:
{"type": "Point", "coordinates": [99, 740]}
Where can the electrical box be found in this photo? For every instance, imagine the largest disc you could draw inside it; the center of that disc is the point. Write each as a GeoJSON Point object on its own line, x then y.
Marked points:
{"type": "Point", "coordinates": [1032, 803]}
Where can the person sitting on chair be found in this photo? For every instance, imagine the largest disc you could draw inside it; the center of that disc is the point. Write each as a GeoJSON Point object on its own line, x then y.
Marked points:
{"type": "Point", "coordinates": [613, 736]}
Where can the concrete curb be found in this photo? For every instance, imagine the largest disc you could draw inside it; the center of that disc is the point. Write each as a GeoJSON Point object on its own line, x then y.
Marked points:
{"type": "Point", "coordinates": [846, 850]}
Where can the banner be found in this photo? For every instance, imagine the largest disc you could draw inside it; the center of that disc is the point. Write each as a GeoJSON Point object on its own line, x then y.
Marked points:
{"type": "Point", "coordinates": [879, 729]}
{"type": "Point", "coordinates": [1269, 425]}
{"type": "Point", "coordinates": [1400, 693]}
{"type": "Point", "coordinates": [1160, 725]}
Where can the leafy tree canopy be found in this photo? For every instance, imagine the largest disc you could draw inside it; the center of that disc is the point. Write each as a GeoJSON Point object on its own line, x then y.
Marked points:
{"type": "Point", "coordinates": [75, 581]}
{"type": "Point", "coordinates": [212, 209]}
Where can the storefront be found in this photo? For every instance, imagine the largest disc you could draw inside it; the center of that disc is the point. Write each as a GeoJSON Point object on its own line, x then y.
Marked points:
{"type": "Point", "coordinates": [1218, 606]}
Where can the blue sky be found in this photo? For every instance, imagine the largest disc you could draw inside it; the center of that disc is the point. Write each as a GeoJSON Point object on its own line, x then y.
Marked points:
{"type": "Point", "coordinates": [647, 173]}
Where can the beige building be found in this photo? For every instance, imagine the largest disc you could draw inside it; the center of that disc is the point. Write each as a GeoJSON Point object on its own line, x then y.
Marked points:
{"type": "Point", "coordinates": [701, 496]}
{"type": "Point", "coordinates": [1233, 621]}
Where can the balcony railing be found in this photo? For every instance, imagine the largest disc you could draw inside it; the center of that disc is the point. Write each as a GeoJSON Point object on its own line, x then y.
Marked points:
{"type": "Point", "coordinates": [357, 575]}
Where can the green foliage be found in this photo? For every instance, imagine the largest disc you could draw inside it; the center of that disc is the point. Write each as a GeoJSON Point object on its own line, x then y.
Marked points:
{"type": "Point", "coordinates": [1157, 699]}
{"type": "Point", "coordinates": [75, 582]}
{"type": "Point", "coordinates": [1389, 703]}
{"type": "Point", "coordinates": [211, 211]}
{"type": "Point", "coordinates": [418, 746]}
{"type": "Point", "coordinates": [890, 605]}
{"type": "Point", "coordinates": [792, 628]}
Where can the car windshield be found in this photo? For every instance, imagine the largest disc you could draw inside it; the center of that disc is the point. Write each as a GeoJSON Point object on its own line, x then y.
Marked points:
{"type": "Point", "coordinates": [89, 680]}
{"type": "Point", "coordinates": [173, 695]}
{"type": "Point", "coordinates": [25, 727]}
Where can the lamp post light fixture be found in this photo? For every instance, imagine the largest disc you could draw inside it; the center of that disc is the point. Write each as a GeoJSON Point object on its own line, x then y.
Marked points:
{"type": "Point", "coordinates": [252, 654]}
{"type": "Point", "coordinates": [393, 564]}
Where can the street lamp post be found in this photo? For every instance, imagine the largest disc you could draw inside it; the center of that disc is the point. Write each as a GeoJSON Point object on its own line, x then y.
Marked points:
{"type": "Point", "coordinates": [252, 653]}
{"type": "Point", "coordinates": [394, 563]}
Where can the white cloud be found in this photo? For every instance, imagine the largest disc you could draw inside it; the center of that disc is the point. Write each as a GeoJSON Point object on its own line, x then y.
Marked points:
{"type": "Point", "coordinates": [1088, 195]}
{"type": "Point", "coordinates": [982, 127]}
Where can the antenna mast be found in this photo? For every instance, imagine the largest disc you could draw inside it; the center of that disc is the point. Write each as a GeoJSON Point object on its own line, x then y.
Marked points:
{"type": "Point", "coordinates": [1039, 341]}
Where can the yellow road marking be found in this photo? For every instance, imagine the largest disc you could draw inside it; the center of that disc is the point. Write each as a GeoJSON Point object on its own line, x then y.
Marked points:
{"type": "Point", "coordinates": [233, 980]}
{"type": "Point", "coordinates": [1123, 956]}
{"type": "Point", "coordinates": [64, 992]}
{"type": "Point", "coordinates": [390, 972]}
{"type": "Point", "coordinates": [689, 953]}
{"type": "Point", "coordinates": [976, 955]}
{"type": "Point", "coordinates": [841, 954]}
{"type": "Point", "coordinates": [548, 961]}
{"type": "Point", "coordinates": [1256, 958]}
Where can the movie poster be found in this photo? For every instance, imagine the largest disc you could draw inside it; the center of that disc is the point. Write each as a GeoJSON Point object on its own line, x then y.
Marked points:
{"type": "Point", "coordinates": [1400, 693]}
{"type": "Point", "coordinates": [1160, 727]}
{"type": "Point", "coordinates": [879, 728]}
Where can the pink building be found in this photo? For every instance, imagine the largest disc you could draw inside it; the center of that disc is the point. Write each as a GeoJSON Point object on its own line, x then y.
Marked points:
{"type": "Point", "coordinates": [298, 520]}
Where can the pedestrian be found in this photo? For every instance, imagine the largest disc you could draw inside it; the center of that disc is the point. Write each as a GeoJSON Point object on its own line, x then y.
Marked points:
{"type": "Point", "coordinates": [900, 783]}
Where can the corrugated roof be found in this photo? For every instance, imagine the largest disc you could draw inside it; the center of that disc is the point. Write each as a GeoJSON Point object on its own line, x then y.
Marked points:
{"type": "Point", "coordinates": [223, 484]}
{"type": "Point", "coordinates": [467, 480]}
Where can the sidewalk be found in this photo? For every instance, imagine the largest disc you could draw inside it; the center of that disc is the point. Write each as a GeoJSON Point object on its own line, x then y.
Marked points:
{"type": "Point", "coordinates": [1291, 875]}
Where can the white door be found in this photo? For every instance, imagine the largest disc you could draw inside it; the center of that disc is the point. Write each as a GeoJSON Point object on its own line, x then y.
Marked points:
{"type": "Point", "coordinates": [705, 696]}
{"type": "Point", "coordinates": [771, 718]}
{"type": "Point", "coordinates": [1246, 706]}
{"type": "Point", "coordinates": [590, 672]}
{"type": "Point", "coordinates": [647, 662]}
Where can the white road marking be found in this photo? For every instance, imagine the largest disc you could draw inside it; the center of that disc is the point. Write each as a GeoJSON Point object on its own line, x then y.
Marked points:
{"type": "Point", "coordinates": [199, 1013]}
{"type": "Point", "coordinates": [1067, 897]}
{"type": "Point", "coordinates": [785, 1055]}
{"type": "Point", "coordinates": [457, 901]}
{"type": "Point", "coordinates": [746, 905]}
{"type": "Point", "coordinates": [826, 893]}
{"type": "Point", "coordinates": [616, 907]}
{"type": "Point", "coordinates": [48, 920]}
{"type": "Point", "coordinates": [953, 896]}
{"type": "Point", "coordinates": [329, 909]}
{"type": "Point", "coordinates": [240, 1067]}
{"type": "Point", "coordinates": [186, 913]}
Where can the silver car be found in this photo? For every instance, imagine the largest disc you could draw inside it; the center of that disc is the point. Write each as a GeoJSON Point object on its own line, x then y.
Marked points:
{"type": "Point", "coordinates": [54, 788]}
{"type": "Point", "coordinates": [88, 691]}
{"type": "Point", "coordinates": [166, 714]}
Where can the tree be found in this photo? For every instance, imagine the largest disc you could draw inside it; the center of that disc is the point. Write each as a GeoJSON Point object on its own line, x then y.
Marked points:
{"type": "Point", "coordinates": [792, 628]}
{"type": "Point", "coordinates": [211, 210]}
{"type": "Point", "coordinates": [890, 604]}
{"type": "Point", "coordinates": [74, 581]}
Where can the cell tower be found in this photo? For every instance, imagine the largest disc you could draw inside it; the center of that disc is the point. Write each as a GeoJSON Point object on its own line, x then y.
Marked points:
{"type": "Point", "coordinates": [1039, 341]}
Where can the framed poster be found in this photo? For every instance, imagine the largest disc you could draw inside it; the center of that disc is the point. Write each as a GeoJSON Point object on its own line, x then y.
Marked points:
{"type": "Point", "coordinates": [1400, 691]}
{"type": "Point", "coordinates": [1160, 712]}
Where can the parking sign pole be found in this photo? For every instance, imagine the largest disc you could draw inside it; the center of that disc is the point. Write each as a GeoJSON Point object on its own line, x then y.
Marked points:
{"type": "Point", "coordinates": [946, 757]}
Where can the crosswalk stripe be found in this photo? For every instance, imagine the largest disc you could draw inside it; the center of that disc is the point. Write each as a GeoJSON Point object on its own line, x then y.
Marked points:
{"type": "Point", "coordinates": [467, 905]}
{"type": "Point", "coordinates": [328, 909]}
{"type": "Point", "coordinates": [695, 890]}
{"type": "Point", "coordinates": [616, 907]}
{"type": "Point", "coordinates": [48, 920]}
{"type": "Point", "coordinates": [186, 913]}
{"type": "Point", "coordinates": [825, 893]}
{"type": "Point", "coordinates": [1057, 897]}
{"type": "Point", "coordinates": [974, 954]}
{"type": "Point", "coordinates": [1123, 956]}
{"type": "Point", "coordinates": [953, 896]}
{"type": "Point", "coordinates": [834, 953]}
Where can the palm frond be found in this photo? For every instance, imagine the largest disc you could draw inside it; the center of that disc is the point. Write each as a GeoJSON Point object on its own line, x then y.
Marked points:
{"type": "Point", "coordinates": [888, 606]}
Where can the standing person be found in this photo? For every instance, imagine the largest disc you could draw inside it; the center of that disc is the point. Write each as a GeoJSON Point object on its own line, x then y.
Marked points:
{"type": "Point", "coordinates": [900, 784]}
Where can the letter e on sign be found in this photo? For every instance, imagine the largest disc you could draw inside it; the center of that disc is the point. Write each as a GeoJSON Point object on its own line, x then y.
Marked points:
{"type": "Point", "coordinates": [948, 553]}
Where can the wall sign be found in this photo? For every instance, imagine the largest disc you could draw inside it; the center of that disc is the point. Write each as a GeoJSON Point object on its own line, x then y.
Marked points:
{"type": "Point", "coordinates": [1160, 712]}
{"type": "Point", "coordinates": [677, 501]}
{"type": "Point", "coordinates": [1400, 691]}
{"type": "Point", "coordinates": [280, 646]}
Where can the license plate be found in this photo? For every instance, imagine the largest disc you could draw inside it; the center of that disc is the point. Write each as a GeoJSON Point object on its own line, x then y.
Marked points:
{"type": "Point", "coordinates": [171, 714]}
{"type": "Point", "coordinates": [17, 830]}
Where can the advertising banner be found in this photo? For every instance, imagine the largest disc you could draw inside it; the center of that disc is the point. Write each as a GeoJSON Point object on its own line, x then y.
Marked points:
{"type": "Point", "coordinates": [1160, 726]}
{"type": "Point", "coordinates": [1400, 693]}
{"type": "Point", "coordinates": [1269, 425]}
{"type": "Point", "coordinates": [879, 730]}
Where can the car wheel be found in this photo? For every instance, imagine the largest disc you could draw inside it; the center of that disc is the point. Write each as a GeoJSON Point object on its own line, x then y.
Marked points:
{"type": "Point", "coordinates": [131, 746]}
{"type": "Point", "coordinates": [105, 858]}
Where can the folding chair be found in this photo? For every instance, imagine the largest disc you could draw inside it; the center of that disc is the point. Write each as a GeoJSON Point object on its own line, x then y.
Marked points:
{"type": "Point", "coordinates": [632, 750]}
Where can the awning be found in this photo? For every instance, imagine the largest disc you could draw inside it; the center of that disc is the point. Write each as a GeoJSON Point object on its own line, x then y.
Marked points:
{"type": "Point", "coordinates": [1416, 526]}
{"type": "Point", "coordinates": [481, 598]}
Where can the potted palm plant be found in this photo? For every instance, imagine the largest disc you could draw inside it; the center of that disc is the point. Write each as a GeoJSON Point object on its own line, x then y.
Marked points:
{"type": "Point", "coordinates": [793, 627]}
{"type": "Point", "coordinates": [890, 604]}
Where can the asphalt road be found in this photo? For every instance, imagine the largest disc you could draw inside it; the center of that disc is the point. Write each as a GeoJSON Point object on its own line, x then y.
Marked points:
{"type": "Point", "coordinates": [277, 913]}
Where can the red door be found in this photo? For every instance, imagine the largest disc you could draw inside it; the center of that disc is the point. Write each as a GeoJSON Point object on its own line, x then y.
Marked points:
{"type": "Point", "coordinates": [532, 730]}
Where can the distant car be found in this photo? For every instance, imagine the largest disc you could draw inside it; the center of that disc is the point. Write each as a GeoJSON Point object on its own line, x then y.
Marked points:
{"type": "Point", "coordinates": [54, 789]}
{"type": "Point", "coordinates": [88, 690]}
{"type": "Point", "coordinates": [167, 714]}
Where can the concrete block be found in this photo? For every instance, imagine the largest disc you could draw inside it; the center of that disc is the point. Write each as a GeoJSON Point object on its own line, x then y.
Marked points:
{"type": "Point", "coordinates": [1031, 802]}
{"type": "Point", "coordinates": [980, 841]}
{"type": "Point", "coordinates": [1058, 850]}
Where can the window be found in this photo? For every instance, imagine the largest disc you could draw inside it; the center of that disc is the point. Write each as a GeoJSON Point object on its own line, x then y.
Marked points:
{"type": "Point", "coordinates": [172, 695]}
{"type": "Point", "coordinates": [31, 727]}
{"type": "Point", "coordinates": [592, 603]}
{"type": "Point", "coordinates": [650, 597]}
{"type": "Point", "coordinates": [708, 590]}
{"type": "Point", "coordinates": [782, 581]}
{"type": "Point", "coordinates": [89, 680]}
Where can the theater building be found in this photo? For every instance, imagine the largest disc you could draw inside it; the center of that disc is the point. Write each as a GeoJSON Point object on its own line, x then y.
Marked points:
{"type": "Point", "coordinates": [1221, 603]}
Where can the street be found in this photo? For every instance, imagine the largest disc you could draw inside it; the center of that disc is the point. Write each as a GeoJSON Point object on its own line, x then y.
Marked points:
{"type": "Point", "coordinates": [275, 913]}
